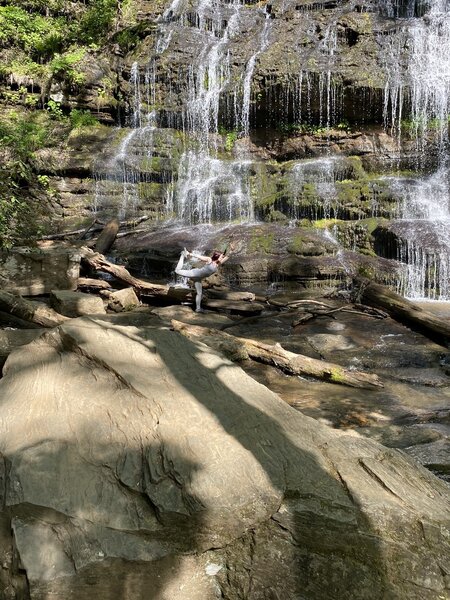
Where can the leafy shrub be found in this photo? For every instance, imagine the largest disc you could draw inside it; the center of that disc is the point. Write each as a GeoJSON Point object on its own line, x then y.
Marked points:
{"type": "Point", "coordinates": [64, 66]}
{"type": "Point", "coordinates": [82, 118]}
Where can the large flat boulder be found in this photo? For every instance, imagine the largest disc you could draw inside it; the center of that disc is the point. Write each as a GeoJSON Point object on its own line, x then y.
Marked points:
{"type": "Point", "coordinates": [13, 338]}
{"type": "Point", "coordinates": [76, 304]}
{"type": "Point", "coordinates": [35, 271]}
{"type": "Point", "coordinates": [140, 465]}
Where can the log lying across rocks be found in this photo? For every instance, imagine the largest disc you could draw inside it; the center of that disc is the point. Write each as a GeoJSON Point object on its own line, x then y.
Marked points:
{"type": "Point", "coordinates": [97, 262]}
{"type": "Point", "coordinates": [95, 226]}
{"type": "Point", "coordinates": [33, 312]}
{"type": "Point", "coordinates": [238, 349]}
{"type": "Point", "coordinates": [403, 310]}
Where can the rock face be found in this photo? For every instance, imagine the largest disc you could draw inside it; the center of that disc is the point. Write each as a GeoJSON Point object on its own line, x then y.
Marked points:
{"type": "Point", "coordinates": [32, 271]}
{"type": "Point", "coordinates": [261, 254]}
{"type": "Point", "coordinates": [147, 466]}
{"type": "Point", "coordinates": [76, 304]}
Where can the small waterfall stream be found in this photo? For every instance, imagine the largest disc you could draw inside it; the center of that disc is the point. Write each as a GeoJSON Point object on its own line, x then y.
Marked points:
{"type": "Point", "coordinates": [422, 85]}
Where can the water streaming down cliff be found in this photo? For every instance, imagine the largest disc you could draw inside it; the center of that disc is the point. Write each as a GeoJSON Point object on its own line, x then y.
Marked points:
{"type": "Point", "coordinates": [210, 100]}
{"type": "Point", "coordinates": [121, 176]}
{"type": "Point", "coordinates": [316, 178]}
{"type": "Point", "coordinates": [211, 188]}
{"type": "Point", "coordinates": [424, 227]}
{"type": "Point", "coordinates": [417, 98]}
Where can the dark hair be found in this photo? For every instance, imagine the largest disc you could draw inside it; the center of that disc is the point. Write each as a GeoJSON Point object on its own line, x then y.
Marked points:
{"type": "Point", "coordinates": [216, 255]}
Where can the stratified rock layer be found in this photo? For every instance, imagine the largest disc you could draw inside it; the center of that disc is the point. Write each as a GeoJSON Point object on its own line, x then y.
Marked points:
{"type": "Point", "coordinates": [137, 464]}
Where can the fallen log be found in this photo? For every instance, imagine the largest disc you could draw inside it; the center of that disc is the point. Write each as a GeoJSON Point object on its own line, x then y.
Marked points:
{"type": "Point", "coordinates": [97, 262]}
{"type": "Point", "coordinates": [96, 225]}
{"type": "Point", "coordinates": [93, 284]}
{"type": "Point", "coordinates": [108, 236]}
{"type": "Point", "coordinates": [9, 320]}
{"type": "Point", "coordinates": [238, 349]}
{"type": "Point", "coordinates": [34, 312]}
{"type": "Point", "coordinates": [403, 310]}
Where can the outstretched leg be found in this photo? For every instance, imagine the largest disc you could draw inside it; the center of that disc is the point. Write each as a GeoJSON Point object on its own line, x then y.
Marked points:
{"type": "Point", "coordinates": [180, 262]}
{"type": "Point", "coordinates": [198, 297]}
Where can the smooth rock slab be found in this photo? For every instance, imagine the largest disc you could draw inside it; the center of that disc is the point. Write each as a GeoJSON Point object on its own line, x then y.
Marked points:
{"type": "Point", "coordinates": [13, 338]}
{"type": "Point", "coordinates": [76, 304]}
{"type": "Point", "coordinates": [34, 271]}
{"type": "Point", "coordinates": [135, 459]}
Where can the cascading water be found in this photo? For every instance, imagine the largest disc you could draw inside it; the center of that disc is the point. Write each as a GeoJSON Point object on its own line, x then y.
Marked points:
{"type": "Point", "coordinates": [209, 188]}
{"type": "Point", "coordinates": [424, 225]}
{"type": "Point", "coordinates": [316, 178]}
{"type": "Point", "coordinates": [417, 98]}
{"type": "Point", "coordinates": [121, 176]}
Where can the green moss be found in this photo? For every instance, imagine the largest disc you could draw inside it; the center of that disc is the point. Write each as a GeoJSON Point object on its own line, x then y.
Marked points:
{"type": "Point", "coordinates": [276, 216]}
{"type": "Point", "coordinates": [371, 224]}
{"type": "Point", "coordinates": [296, 245]}
{"type": "Point", "coordinates": [262, 243]}
{"type": "Point", "coordinates": [337, 375]}
{"type": "Point", "coordinates": [358, 171]}
{"type": "Point", "coordinates": [151, 191]}
{"type": "Point", "coordinates": [325, 223]}
{"type": "Point", "coordinates": [366, 271]}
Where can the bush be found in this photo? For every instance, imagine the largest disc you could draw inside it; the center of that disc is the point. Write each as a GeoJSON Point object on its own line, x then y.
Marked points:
{"type": "Point", "coordinates": [82, 118]}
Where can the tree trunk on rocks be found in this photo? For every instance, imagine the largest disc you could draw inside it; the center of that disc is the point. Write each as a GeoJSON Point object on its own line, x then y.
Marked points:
{"type": "Point", "coordinates": [108, 236]}
{"type": "Point", "coordinates": [238, 349]}
{"type": "Point", "coordinates": [403, 310]}
{"type": "Point", "coordinates": [98, 262]}
{"type": "Point", "coordinates": [30, 311]}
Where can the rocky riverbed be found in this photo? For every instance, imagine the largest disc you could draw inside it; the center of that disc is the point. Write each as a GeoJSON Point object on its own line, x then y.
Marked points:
{"type": "Point", "coordinates": [177, 473]}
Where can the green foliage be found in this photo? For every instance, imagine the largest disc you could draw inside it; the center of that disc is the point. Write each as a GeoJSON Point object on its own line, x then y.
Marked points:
{"type": "Point", "coordinates": [230, 140]}
{"type": "Point", "coordinates": [55, 42]}
{"type": "Point", "coordinates": [40, 37]}
{"type": "Point", "coordinates": [54, 110]}
{"type": "Point", "coordinates": [96, 21]}
{"type": "Point", "coordinates": [23, 136]}
{"type": "Point", "coordinates": [43, 180]}
{"type": "Point", "coordinates": [304, 128]}
{"type": "Point", "coordinates": [82, 118]}
{"type": "Point", "coordinates": [20, 136]}
{"type": "Point", "coordinates": [64, 66]}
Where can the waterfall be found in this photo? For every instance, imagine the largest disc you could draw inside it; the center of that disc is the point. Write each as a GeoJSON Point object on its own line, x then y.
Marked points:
{"type": "Point", "coordinates": [316, 180]}
{"type": "Point", "coordinates": [248, 76]}
{"type": "Point", "coordinates": [210, 188]}
{"type": "Point", "coordinates": [424, 227]}
{"type": "Point", "coordinates": [417, 98]}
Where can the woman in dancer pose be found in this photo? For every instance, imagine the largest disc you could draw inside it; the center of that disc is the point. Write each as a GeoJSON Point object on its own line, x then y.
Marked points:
{"type": "Point", "coordinates": [196, 275]}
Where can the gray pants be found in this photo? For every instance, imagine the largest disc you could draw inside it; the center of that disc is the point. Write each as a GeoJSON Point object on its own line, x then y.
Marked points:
{"type": "Point", "coordinates": [196, 275]}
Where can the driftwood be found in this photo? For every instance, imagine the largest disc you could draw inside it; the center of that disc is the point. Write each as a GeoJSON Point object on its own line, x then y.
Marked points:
{"type": "Point", "coordinates": [93, 284]}
{"type": "Point", "coordinates": [108, 236]}
{"type": "Point", "coordinates": [9, 320]}
{"type": "Point", "coordinates": [403, 310]}
{"type": "Point", "coordinates": [97, 262]}
{"type": "Point", "coordinates": [238, 349]}
{"type": "Point", "coordinates": [34, 312]}
{"type": "Point", "coordinates": [96, 225]}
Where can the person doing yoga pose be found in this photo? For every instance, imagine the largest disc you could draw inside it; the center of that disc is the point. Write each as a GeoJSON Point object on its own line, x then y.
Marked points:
{"type": "Point", "coordinates": [196, 275]}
